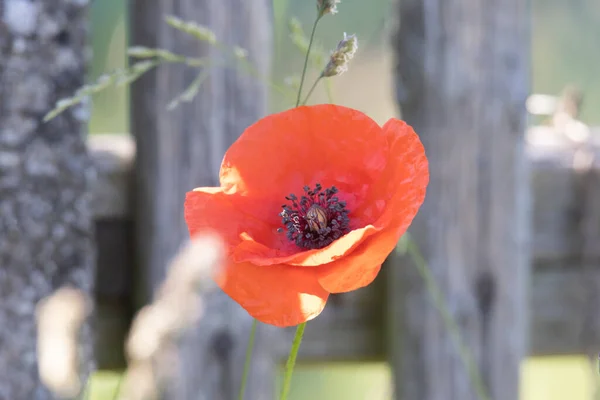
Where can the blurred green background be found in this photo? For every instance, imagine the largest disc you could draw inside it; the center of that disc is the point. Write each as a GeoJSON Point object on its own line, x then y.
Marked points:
{"type": "Point", "coordinates": [565, 50]}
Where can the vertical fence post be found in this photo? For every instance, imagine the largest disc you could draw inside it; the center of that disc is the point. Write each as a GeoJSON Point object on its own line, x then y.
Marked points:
{"type": "Point", "coordinates": [462, 81]}
{"type": "Point", "coordinates": [46, 226]}
{"type": "Point", "coordinates": [182, 149]}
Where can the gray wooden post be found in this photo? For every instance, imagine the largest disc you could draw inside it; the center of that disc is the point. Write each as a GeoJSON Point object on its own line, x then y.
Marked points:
{"type": "Point", "coordinates": [46, 227]}
{"type": "Point", "coordinates": [182, 149]}
{"type": "Point", "coordinates": [462, 80]}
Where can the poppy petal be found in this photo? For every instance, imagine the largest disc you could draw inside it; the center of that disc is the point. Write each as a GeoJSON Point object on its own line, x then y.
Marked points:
{"type": "Point", "coordinates": [278, 295]}
{"type": "Point", "coordinates": [283, 152]}
{"type": "Point", "coordinates": [359, 268]}
{"type": "Point", "coordinates": [210, 208]}
{"type": "Point", "coordinates": [404, 181]}
{"type": "Point", "coordinates": [251, 250]}
{"type": "Point", "coordinates": [403, 187]}
{"type": "Point", "coordinates": [400, 190]}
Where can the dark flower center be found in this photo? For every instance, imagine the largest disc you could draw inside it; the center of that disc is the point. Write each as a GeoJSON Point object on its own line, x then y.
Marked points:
{"type": "Point", "coordinates": [316, 219]}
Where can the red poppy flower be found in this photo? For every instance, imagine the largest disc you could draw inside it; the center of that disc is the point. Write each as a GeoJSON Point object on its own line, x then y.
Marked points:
{"type": "Point", "coordinates": [312, 200]}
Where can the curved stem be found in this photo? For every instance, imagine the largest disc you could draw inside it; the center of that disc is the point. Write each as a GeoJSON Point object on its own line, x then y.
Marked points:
{"type": "Point", "coordinates": [248, 359]}
{"type": "Point", "coordinates": [437, 296]}
{"type": "Point", "coordinates": [291, 361]}
{"type": "Point", "coordinates": [311, 89]}
{"type": "Point", "coordinates": [312, 36]}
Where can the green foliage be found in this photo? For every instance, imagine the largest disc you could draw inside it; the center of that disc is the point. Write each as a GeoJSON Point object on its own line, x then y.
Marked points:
{"type": "Point", "coordinates": [198, 31]}
{"type": "Point", "coordinates": [188, 95]}
{"type": "Point", "coordinates": [109, 36]}
{"type": "Point", "coordinates": [150, 59]}
{"type": "Point", "coordinates": [280, 10]}
{"type": "Point", "coordinates": [407, 246]}
{"type": "Point", "coordinates": [553, 68]}
{"type": "Point", "coordinates": [300, 40]}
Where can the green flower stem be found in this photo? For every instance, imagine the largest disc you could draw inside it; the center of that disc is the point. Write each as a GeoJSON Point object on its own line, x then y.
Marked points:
{"type": "Point", "coordinates": [312, 89]}
{"type": "Point", "coordinates": [117, 392]}
{"type": "Point", "coordinates": [248, 359]}
{"type": "Point", "coordinates": [312, 37]}
{"type": "Point", "coordinates": [291, 361]}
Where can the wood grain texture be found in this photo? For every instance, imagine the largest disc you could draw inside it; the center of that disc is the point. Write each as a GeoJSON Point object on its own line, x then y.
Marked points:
{"type": "Point", "coordinates": [46, 221]}
{"type": "Point", "coordinates": [112, 203]}
{"type": "Point", "coordinates": [463, 79]}
{"type": "Point", "coordinates": [114, 283]}
{"type": "Point", "coordinates": [351, 328]}
{"type": "Point", "coordinates": [182, 149]}
{"type": "Point", "coordinates": [553, 184]}
{"type": "Point", "coordinates": [113, 157]}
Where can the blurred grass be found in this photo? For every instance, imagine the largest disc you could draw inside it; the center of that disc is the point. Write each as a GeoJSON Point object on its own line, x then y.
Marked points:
{"type": "Point", "coordinates": [109, 40]}
{"type": "Point", "coordinates": [565, 50]}
{"type": "Point", "coordinates": [103, 385]}
{"type": "Point", "coordinates": [546, 378]}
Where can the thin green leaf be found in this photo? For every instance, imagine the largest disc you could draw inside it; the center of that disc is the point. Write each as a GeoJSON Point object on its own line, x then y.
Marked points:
{"type": "Point", "coordinates": [141, 52]}
{"type": "Point", "coordinates": [81, 94]}
{"type": "Point", "coordinates": [147, 52]}
{"type": "Point", "coordinates": [240, 53]}
{"type": "Point", "coordinates": [300, 40]}
{"type": "Point", "coordinates": [192, 90]}
{"type": "Point", "coordinates": [118, 77]}
{"type": "Point", "coordinates": [195, 62]}
{"type": "Point", "coordinates": [135, 71]}
{"type": "Point", "coordinates": [198, 31]}
{"type": "Point", "coordinates": [53, 113]}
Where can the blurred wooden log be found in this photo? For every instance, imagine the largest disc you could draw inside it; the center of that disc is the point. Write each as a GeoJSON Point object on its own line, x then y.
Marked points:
{"type": "Point", "coordinates": [113, 157]}
{"type": "Point", "coordinates": [463, 80]}
{"type": "Point", "coordinates": [46, 221]}
{"type": "Point", "coordinates": [352, 326]}
{"type": "Point", "coordinates": [182, 149]}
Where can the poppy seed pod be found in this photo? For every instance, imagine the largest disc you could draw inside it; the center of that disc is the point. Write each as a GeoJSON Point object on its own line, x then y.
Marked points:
{"type": "Point", "coordinates": [316, 217]}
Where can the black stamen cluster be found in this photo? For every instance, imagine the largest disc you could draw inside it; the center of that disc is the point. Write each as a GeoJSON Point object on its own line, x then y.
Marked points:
{"type": "Point", "coordinates": [315, 236]}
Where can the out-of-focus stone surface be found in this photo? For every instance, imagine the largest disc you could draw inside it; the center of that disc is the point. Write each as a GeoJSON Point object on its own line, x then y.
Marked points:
{"type": "Point", "coordinates": [46, 225]}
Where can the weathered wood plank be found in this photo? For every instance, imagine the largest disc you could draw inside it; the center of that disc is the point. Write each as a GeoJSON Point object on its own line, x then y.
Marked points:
{"type": "Point", "coordinates": [114, 280]}
{"type": "Point", "coordinates": [351, 327]}
{"type": "Point", "coordinates": [463, 80]}
{"type": "Point", "coordinates": [560, 311]}
{"type": "Point", "coordinates": [556, 202]}
{"type": "Point", "coordinates": [553, 182]}
{"type": "Point", "coordinates": [46, 220]}
{"type": "Point", "coordinates": [114, 156]}
{"type": "Point", "coordinates": [182, 149]}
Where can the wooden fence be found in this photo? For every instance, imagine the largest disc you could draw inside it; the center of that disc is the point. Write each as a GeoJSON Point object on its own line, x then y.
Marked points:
{"type": "Point", "coordinates": [465, 97]}
{"type": "Point", "coordinates": [470, 116]}
{"type": "Point", "coordinates": [353, 325]}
